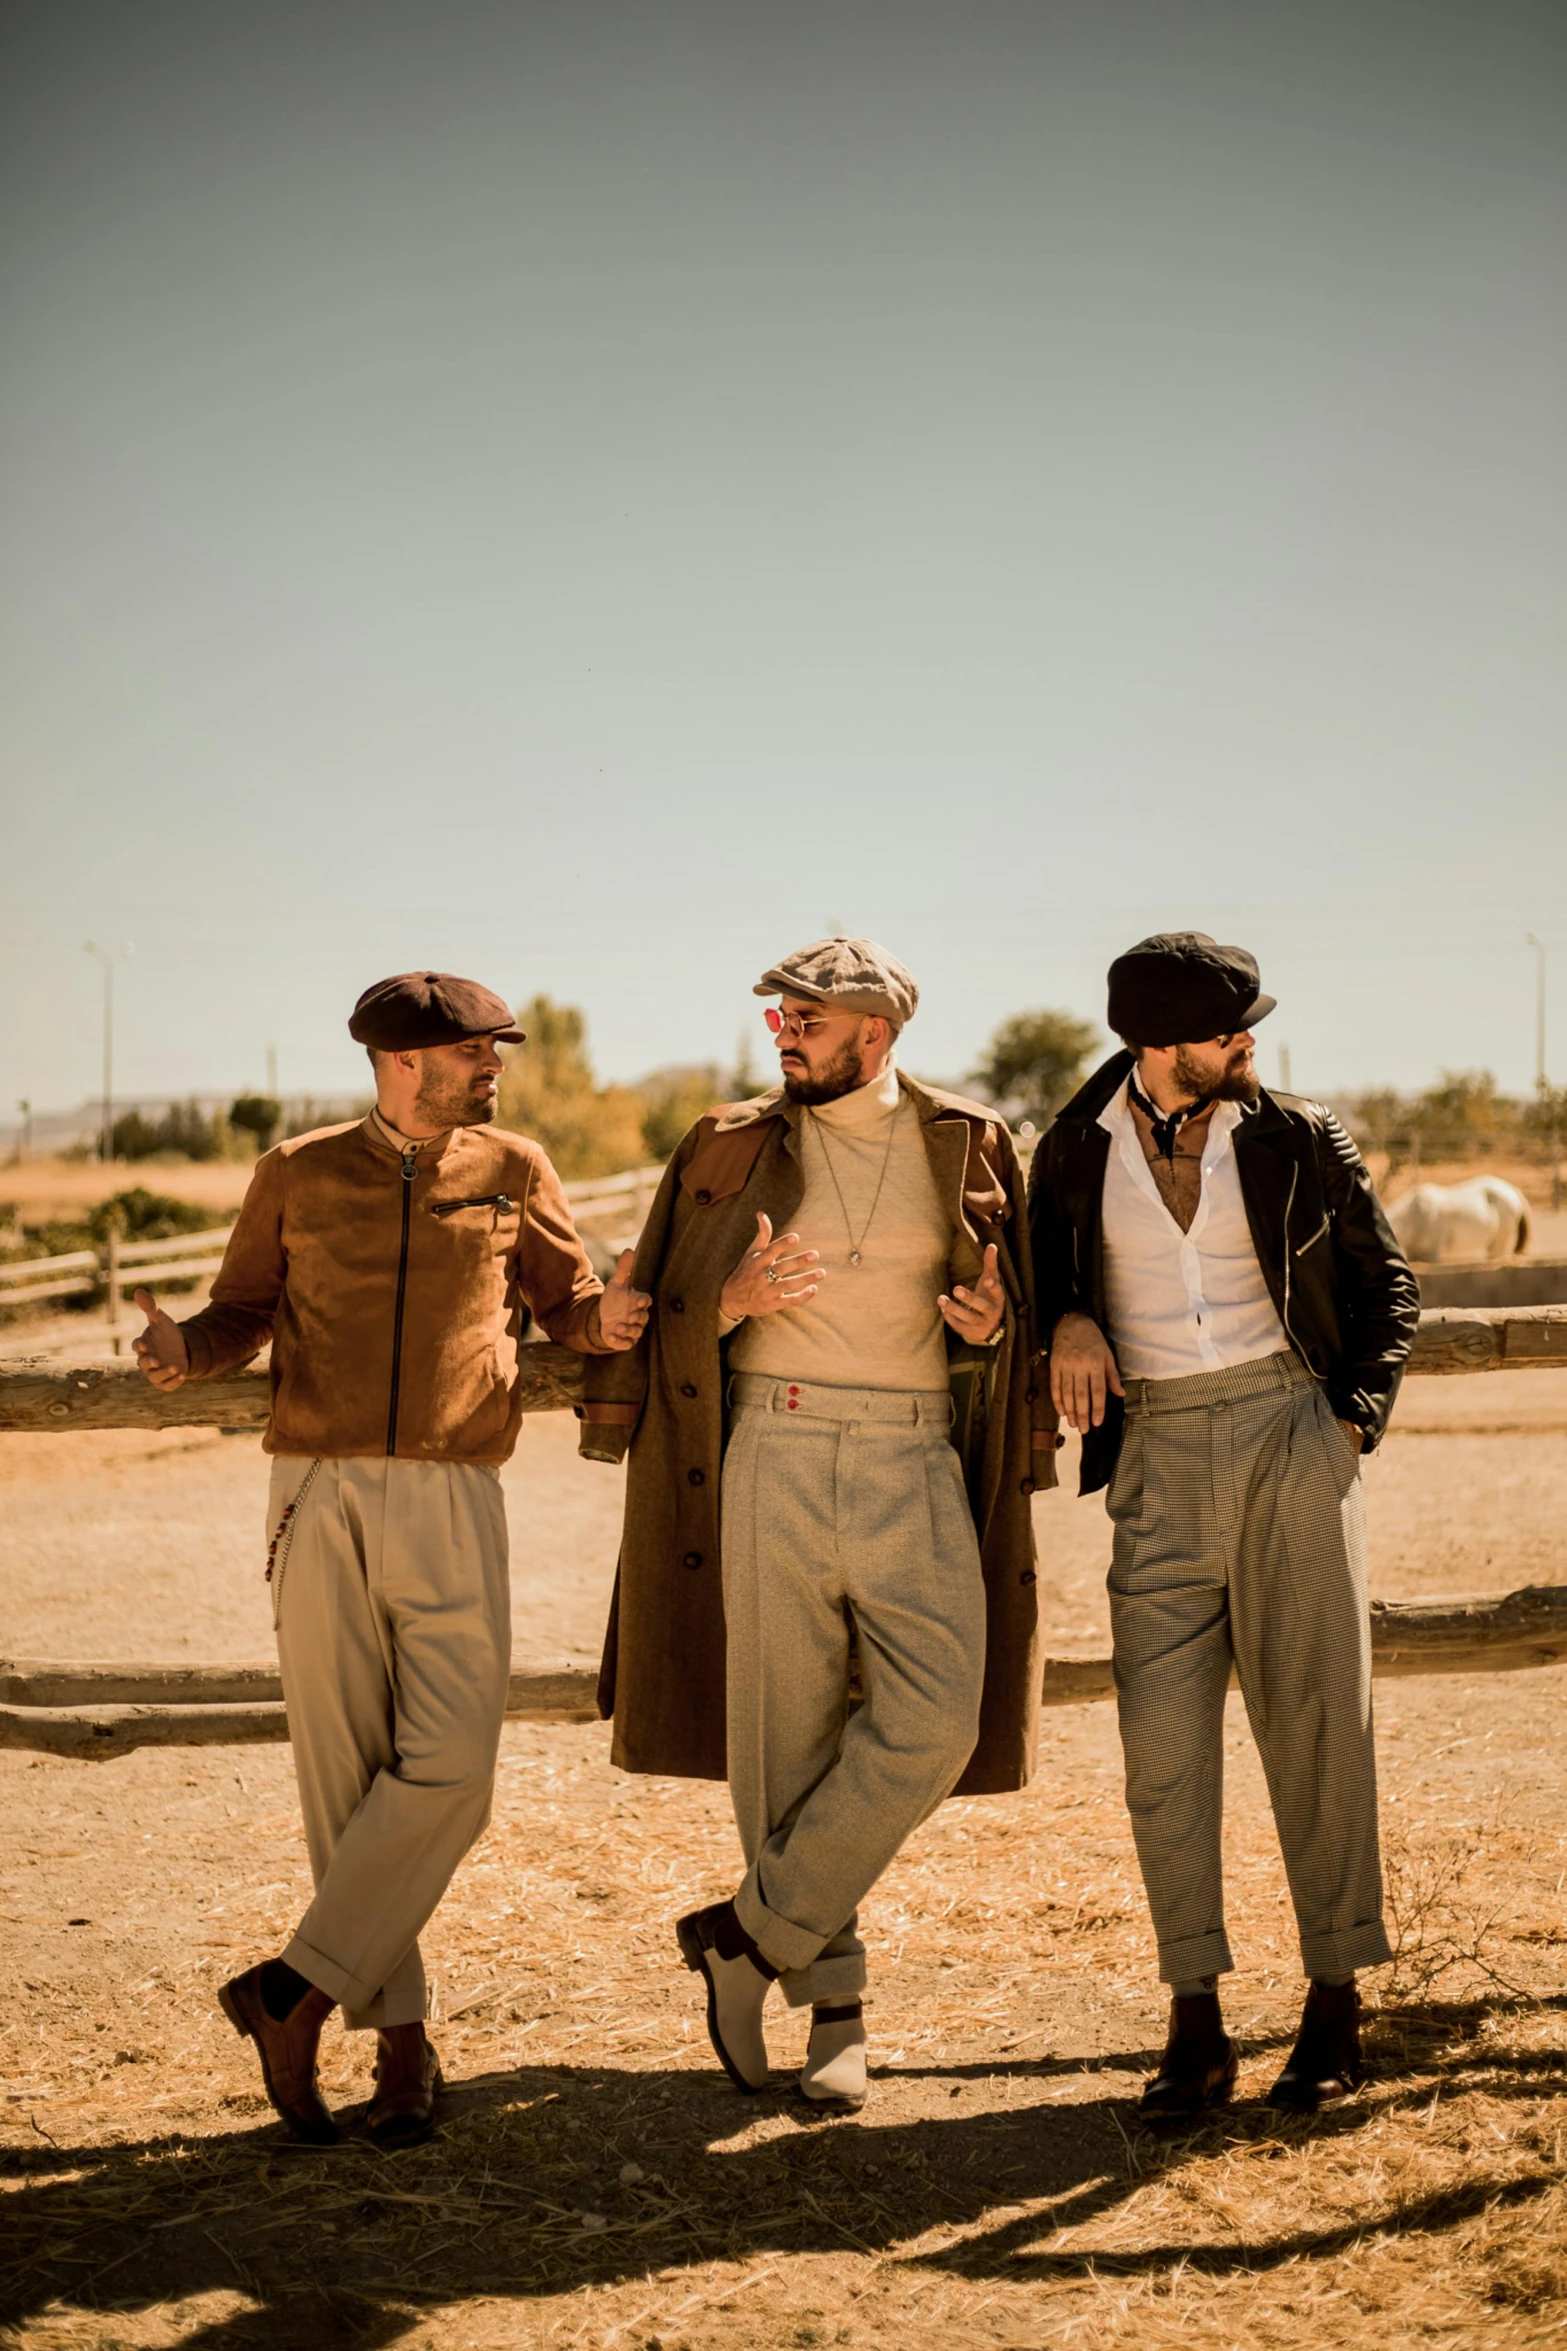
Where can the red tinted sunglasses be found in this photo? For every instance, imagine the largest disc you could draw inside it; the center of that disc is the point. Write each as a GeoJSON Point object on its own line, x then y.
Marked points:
{"type": "Point", "coordinates": [799, 1024]}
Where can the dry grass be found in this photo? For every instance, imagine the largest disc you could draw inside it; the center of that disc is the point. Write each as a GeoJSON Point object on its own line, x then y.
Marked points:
{"type": "Point", "coordinates": [599, 2184]}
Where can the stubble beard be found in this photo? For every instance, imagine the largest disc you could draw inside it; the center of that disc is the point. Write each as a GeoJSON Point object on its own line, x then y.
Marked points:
{"type": "Point", "coordinates": [453, 1105]}
{"type": "Point", "coordinates": [1236, 1084]}
{"type": "Point", "coordinates": [833, 1080]}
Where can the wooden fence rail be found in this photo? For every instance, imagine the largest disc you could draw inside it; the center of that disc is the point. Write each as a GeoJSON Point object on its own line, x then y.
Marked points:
{"type": "Point", "coordinates": [100, 1711]}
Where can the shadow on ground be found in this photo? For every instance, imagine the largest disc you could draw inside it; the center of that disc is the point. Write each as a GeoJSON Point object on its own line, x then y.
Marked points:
{"type": "Point", "coordinates": [522, 2193]}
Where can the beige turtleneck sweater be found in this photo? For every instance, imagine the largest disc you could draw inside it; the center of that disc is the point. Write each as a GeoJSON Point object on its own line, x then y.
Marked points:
{"type": "Point", "coordinates": [875, 1324]}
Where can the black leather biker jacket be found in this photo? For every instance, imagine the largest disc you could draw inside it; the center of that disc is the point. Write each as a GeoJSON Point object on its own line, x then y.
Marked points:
{"type": "Point", "coordinates": [1339, 1282]}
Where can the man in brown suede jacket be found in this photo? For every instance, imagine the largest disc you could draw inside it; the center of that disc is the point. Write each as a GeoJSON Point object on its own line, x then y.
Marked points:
{"type": "Point", "coordinates": [389, 1262]}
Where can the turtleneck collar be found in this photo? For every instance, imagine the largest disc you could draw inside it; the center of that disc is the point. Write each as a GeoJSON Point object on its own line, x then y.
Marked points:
{"type": "Point", "coordinates": [866, 1107]}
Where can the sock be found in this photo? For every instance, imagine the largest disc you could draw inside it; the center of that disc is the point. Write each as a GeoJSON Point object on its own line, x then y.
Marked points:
{"type": "Point", "coordinates": [1194, 1986]}
{"type": "Point", "coordinates": [282, 1989]}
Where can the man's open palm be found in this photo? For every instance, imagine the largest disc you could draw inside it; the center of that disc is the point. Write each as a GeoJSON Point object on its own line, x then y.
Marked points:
{"type": "Point", "coordinates": [161, 1349]}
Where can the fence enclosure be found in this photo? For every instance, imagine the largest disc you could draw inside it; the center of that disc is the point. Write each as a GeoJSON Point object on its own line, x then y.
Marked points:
{"type": "Point", "coordinates": [98, 1711]}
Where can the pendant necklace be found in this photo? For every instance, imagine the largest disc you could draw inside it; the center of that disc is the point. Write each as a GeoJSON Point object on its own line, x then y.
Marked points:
{"type": "Point", "coordinates": [855, 1246]}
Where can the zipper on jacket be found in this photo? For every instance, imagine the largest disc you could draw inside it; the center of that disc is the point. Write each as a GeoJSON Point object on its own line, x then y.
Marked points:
{"type": "Point", "coordinates": [410, 1171]}
{"type": "Point", "coordinates": [479, 1200]}
{"type": "Point", "coordinates": [1288, 1205]}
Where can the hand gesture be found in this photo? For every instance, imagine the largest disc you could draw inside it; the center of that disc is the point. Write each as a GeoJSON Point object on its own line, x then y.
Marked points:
{"type": "Point", "coordinates": [622, 1311]}
{"type": "Point", "coordinates": [1082, 1371]}
{"type": "Point", "coordinates": [161, 1349]}
{"type": "Point", "coordinates": [771, 1275]}
{"type": "Point", "coordinates": [976, 1314]}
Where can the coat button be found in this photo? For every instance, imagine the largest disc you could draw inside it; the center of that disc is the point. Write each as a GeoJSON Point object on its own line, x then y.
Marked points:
{"type": "Point", "coordinates": [688, 1387]}
{"type": "Point", "coordinates": [696, 1477]}
{"type": "Point", "coordinates": [1025, 1485]}
{"type": "Point", "coordinates": [692, 1559]}
{"type": "Point", "coordinates": [677, 1306]}
{"type": "Point", "coordinates": [1028, 1576]}
{"type": "Point", "coordinates": [703, 1198]}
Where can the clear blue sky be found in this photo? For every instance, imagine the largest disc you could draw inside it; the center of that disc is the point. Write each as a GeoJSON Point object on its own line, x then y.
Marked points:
{"type": "Point", "coordinates": [595, 495]}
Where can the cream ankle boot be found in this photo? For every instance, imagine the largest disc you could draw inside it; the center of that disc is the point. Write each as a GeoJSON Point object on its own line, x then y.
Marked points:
{"type": "Point", "coordinates": [834, 2070]}
{"type": "Point", "coordinates": [715, 1946]}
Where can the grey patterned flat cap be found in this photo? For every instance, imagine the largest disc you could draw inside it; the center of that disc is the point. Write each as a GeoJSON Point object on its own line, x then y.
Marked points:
{"type": "Point", "coordinates": [846, 975]}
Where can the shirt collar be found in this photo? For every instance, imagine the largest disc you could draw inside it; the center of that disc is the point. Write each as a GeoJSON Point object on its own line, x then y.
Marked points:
{"type": "Point", "coordinates": [1116, 1118]}
{"type": "Point", "coordinates": [400, 1141]}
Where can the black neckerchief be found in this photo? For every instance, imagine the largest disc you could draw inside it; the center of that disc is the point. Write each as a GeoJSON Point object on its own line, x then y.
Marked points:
{"type": "Point", "coordinates": [1165, 1130]}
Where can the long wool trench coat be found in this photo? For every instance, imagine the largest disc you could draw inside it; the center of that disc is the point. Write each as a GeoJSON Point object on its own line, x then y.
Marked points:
{"type": "Point", "coordinates": [663, 1676]}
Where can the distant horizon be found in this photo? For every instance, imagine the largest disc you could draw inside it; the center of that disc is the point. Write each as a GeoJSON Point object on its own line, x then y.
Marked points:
{"type": "Point", "coordinates": [595, 498]}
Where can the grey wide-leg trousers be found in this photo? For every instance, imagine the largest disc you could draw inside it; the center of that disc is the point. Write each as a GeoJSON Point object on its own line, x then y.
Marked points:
{"type": "Point", "coordinates": [1240, 1540]}
{"type": "Point", "coordinates": [843, 1512]}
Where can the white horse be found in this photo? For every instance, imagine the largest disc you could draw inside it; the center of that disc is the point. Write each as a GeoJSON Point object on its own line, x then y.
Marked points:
{"type": "Point", "coordinates": [1486, 1217]}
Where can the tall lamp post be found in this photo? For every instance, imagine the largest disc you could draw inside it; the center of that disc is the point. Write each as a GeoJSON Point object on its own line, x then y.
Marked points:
{"type": "Point", "coordinates": [107, 957]}
{"type": "Point", "coordinates": [1539, 1007]}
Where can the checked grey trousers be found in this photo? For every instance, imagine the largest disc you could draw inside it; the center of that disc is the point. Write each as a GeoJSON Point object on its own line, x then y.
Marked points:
{"type": "Point", "coordinates": [1240, 1539]}
{"type": "Point", "coordinates": [843, 1510]}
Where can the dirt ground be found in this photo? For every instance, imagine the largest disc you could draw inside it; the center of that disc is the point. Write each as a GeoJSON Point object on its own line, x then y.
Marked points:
{"type": "Point", "coordinates": [597, 2182]}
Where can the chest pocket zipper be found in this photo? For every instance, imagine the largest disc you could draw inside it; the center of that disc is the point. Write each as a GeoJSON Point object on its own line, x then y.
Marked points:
{"type": "Point", "coordinates": [1316, 1236]}
{"type": "Point", "coordinates": [502, 1200]}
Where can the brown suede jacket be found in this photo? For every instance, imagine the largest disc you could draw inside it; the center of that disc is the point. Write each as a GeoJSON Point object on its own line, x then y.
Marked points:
{"type": "Point", "coordinates": [392, 1285]}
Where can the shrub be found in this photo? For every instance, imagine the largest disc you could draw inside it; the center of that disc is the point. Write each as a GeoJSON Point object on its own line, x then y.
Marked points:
{"type": "Point", "coordinates": [184, 1131]}
{"type": "Point", "coordinates": [1034, 1063]}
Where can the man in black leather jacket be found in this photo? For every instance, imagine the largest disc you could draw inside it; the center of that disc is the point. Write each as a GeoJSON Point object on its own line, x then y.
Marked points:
{"type": "Point", "coordinates": [1228, 1316]}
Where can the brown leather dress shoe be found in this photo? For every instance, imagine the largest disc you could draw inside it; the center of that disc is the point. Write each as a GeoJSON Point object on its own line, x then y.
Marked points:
{"type": "Point", "coordinates": [1324, 2065]}
{"type": "Point", "coordinates": [1197, 2070]}
{"type": "Point", "coordinates": [407, 2077]}
{"type": "Point", "coordinates": [287, 2051]}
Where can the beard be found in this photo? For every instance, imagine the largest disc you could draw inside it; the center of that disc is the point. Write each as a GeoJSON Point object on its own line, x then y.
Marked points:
{"type": "Point", "coordinates": [835, 1078]}
{"type": "Point", "coordinates": [453, 1102]}
{"type": "Point", "coordinates": [1235, 1083]}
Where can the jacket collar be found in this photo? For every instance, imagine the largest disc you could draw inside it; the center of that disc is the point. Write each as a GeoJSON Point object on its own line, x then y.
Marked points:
{"type": "Point", "coordinates": [1084, 1108]}
{"type": "Point", "coordinates": [380, 1138]}
{"type": "Point", "coordinates": [1259, 1118]}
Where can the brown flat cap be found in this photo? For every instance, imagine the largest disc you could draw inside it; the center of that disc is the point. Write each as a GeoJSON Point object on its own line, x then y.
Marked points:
{"type": "Point", "coordinates": [430, 1008]}
{"type": "Point", "coordinates": [847, 975]}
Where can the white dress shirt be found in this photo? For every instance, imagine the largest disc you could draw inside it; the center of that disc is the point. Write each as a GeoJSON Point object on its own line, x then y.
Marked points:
{"type": "Point", "coordinates": [1179, 1302]}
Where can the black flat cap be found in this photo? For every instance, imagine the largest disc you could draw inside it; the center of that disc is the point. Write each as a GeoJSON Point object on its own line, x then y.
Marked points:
{"type": "Point", "coordinates": [1181, 988]}
{"type": "Point", "coordinates": [430, 1008]}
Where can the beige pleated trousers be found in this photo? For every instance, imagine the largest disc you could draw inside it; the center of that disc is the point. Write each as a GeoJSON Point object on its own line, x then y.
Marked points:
{"type": "Point", "coordinates": [844, 1514]}
{"type": "Point", "coordinates": [1240, 1542]}
{"type": "Point", "coordinates": [392, 1605]}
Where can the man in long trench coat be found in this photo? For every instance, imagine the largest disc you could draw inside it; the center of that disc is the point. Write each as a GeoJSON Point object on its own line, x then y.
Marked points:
{"type": "Point", "coordinates": [827, 1584]}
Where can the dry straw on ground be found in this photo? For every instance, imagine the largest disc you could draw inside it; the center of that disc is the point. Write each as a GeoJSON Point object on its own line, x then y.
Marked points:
{"type": "Point", "coordinates": [599, 2184]}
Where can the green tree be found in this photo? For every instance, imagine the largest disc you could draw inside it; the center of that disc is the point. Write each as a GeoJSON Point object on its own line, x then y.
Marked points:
{"type": "Point", "coordinates": [673, 1101]}
{"type": "Point", "coordinates": [548, 1091]}
{"type": "Point", "coordinates": [184, 1131]}
{"type": "Point", "coordinates": [257, 1114]}
{"type": "Point", "coordinates": [1034, 1063]}
{"type": "Point", "coordinates": [1463, 1116]}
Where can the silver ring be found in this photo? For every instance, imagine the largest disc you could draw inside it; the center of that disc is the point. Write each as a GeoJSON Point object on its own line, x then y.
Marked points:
{"type": "Point", "coordinates": [772, 1273]}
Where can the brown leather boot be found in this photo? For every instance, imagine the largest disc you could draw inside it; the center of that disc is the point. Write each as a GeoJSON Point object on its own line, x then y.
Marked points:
{"type": "Point", "coordinates": [1197, 2070]}
{"type": "Point", "coordinates": [1324, 2064]}
{"type": "Point", "coordinates": [407, 2077]}
{"type": "Point", "coordinates": [287, 2051]}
